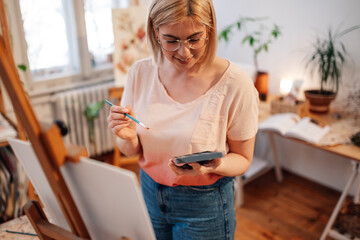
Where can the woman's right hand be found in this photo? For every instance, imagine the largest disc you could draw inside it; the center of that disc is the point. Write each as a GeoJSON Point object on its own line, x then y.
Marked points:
{"type": "Point", "coordinates": [121, 125]}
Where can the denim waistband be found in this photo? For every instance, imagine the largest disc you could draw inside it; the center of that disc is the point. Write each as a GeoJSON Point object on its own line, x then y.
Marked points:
{"type": "Point", "coordinates": [222, 181]}
{"type": "Point", "coordinates": [217, 184]}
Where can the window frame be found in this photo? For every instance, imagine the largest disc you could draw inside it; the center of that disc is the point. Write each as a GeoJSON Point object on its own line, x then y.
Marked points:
{"type": "Point", "coordinates": [87, 75]}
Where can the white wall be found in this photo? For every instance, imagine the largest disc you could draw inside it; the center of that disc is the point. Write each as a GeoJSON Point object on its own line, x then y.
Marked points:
{"type": "Point", "coordinates": [301, 21]}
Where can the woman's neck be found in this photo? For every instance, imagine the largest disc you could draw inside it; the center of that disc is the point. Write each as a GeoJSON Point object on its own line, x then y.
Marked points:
{"type": "Point", "coordinates": [185, 86]}
{"type": "Point", "coordinates": [170, 69]}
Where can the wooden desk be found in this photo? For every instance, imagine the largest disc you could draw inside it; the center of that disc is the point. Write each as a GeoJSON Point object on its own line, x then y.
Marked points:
{"type": "Point", "coordinates": [348, 151]}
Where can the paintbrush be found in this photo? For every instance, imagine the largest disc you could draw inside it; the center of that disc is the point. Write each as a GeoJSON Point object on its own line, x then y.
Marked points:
{"type": "Point", "coordinates": [132, 118]}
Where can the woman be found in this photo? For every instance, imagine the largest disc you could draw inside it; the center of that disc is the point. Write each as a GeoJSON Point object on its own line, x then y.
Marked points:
{"type": "Point", "coordinates": [192, 101]}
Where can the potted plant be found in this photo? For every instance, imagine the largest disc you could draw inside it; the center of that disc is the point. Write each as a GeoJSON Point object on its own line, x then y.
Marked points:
{"type": "Point", "coordinates": [91, 112]}
{"type": "Point", "coordinates": [327, 60]}
{"type": "Point", "coordinates": [259, 40]}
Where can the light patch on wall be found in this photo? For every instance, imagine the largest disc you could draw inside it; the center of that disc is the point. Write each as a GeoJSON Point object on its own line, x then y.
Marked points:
{"type": "Point", "coordinates": [285, 85]}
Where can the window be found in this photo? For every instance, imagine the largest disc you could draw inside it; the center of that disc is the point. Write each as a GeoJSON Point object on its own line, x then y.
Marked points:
{"type": "Point", "coordinates": [67, 39]}
{"type": "Point", "coordinates": [100, 36]}
{"type": "Point", "coordinates": [51, 39]}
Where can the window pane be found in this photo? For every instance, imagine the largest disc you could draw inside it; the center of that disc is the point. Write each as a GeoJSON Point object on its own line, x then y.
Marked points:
{"type": "Point", "coordinates": [51, 49]}
{"type": "Point", "coordinates": [99, 29]}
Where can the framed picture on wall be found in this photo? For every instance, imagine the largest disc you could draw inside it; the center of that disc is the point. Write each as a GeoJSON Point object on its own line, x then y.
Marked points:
{"type": "Point", "coordinates": [129, 39]}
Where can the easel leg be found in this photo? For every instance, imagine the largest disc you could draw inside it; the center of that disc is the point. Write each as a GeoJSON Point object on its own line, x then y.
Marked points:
{"type": "Point", "coordinates": [278, 172]}
{"type": "Point", "coordinates": [35, 214]}
{"type": "Point", "coordinates": [44, 229]}
{"type": "Point", "coordinates": [341, 199]}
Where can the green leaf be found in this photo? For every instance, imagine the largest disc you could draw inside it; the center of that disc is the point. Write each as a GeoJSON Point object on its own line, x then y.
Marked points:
{"type": "Point", "coordinates": [92, 110]}
{"type": "Point", "coordinates": [245, 39]}
{"type": "Point", "coordinates": [251, 40]}
{"type": "Point", "coordinates": [343, 47]}
{"type": "Point", "coordinates": [341, 56]}
{"type": "Point", "coordinates": [265, 47]}
{"type": "Point", "coordinates": [22, 67]}
{"type": "Point", "coordinates": [258, 40]}
{"type": "Point", "coordinates": [224, 34]}
{"type": "Point", "coordinates": [238, 24]}
{"type": "Point", "coordinates": [258, 50]}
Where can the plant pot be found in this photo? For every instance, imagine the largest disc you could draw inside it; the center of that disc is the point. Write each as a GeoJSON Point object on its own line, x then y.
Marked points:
{"type": "Point", "coordinates": [261, 84]}
{"type": "Point", "coordinates": [319, 101]}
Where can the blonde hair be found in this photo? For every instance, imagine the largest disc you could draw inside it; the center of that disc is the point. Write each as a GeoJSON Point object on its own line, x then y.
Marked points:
{"type": "Point", "coordinates": [175, 11]}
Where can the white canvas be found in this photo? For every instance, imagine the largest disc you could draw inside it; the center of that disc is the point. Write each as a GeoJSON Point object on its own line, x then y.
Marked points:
{"type": "Point", "coordinates": [108, 198]}
{"type": "Point", "coordinates": [25, 154]}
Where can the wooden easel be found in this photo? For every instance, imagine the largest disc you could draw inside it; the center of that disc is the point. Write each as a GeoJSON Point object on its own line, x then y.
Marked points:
{"type": "Point", "coordinates": [48, 147]}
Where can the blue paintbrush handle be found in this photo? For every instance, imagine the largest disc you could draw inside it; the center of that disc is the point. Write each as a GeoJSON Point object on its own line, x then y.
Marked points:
{"type": "Point", "coordinates": [135, 120]}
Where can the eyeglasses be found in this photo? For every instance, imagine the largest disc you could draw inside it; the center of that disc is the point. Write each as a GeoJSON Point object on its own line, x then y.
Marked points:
{"type": "Point", "coordinates": [173, 45]}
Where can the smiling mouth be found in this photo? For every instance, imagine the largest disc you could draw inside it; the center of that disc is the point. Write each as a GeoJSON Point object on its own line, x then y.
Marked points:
{"type": "Point", "coordinates": [185, 60]}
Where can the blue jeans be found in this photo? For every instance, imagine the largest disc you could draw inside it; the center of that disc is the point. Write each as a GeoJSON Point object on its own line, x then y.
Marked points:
{"type": "Point", "coordinates": [191, 212]}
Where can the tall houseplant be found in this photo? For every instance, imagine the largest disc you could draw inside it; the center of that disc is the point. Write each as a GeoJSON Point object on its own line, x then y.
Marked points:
{"type": "Point", "coordinates": [327, 59]}
{"type": "Point", "coordinates": [258, 40]}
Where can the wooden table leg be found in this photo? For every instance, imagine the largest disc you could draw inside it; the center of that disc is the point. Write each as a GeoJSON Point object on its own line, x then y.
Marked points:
{"type": "Point", "coordinates": [353, 176]}
{"type": "Point", "coordinates": [278, 172]}
{"type": "Point", "coordinates": [357, 192]}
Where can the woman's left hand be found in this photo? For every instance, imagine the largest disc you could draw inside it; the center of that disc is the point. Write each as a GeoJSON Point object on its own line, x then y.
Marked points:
{"type": "Point", "coordinates": [197, 169]}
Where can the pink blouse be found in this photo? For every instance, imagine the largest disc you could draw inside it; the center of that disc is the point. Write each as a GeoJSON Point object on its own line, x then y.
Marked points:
{"type": "Point", "coordinates": [227, 110]}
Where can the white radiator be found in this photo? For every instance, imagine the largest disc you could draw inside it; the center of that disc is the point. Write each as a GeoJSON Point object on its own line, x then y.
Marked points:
{"type": "Point", "coordinates": [69, 106]}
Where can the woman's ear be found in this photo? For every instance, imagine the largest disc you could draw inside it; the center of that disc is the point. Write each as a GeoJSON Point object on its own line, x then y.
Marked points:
{"type": "Point", "coordinates": [155, 30]}
{"type": "Point", "coordinates": [156, 33]}
{"type": "Point", "coordinates": [208, 31]}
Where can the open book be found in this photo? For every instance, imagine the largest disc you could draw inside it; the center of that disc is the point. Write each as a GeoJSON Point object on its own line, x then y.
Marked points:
{"type": "Point", "coordinates": [291, 125]}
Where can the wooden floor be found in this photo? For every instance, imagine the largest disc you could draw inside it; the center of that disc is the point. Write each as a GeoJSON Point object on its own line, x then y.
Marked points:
{"type": "Point", "coordinates": [295, 209]}
{"type": "Point", "coordinates": [291, 210]}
